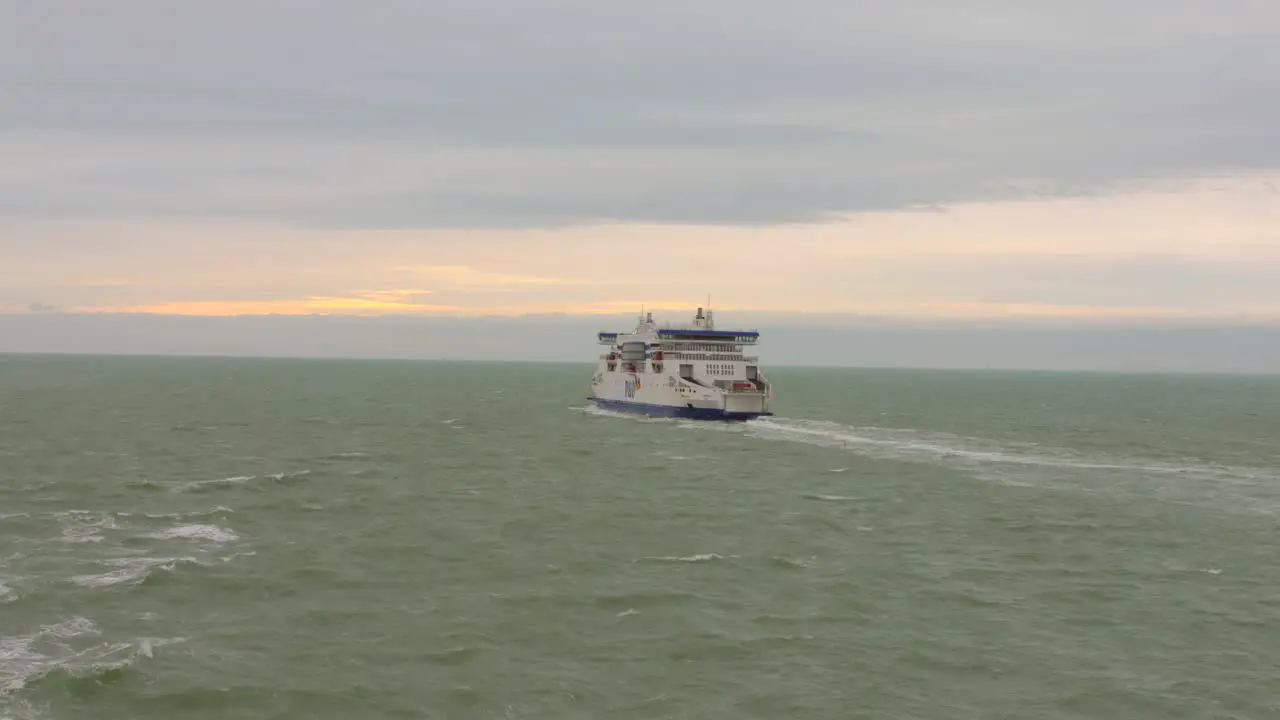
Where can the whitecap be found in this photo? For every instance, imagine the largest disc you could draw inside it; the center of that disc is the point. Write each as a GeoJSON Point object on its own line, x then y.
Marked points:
{"type": "Point", "coordinates": [130, 571]}
{"type": "Point", "coordinates": [21, 662]}
{"type": "Point", "coordinates": [216, 482]}
{"type": "Point", "coordinates": [831, 498]}
{"type": "Point", "coordinates": [84, 526]}
{"type": "Point", "coordinates": [25, 658]}
{"type": "Point", "coordinates": [212, 533]}
{"type": "Point", "coordinates": [699, 558]}
{"type": "Point", "coordinates": [220, 509]}
{"type": "Point", "coordinates": [793, 562]}
{"type": "Point", "coordinates": [234, 480]}
{"type": "Point", "coordinates": [233, 556]}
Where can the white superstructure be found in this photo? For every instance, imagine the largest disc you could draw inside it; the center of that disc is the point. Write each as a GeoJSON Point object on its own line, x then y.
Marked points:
{"type": "Point", "coordinates": [693, 371]}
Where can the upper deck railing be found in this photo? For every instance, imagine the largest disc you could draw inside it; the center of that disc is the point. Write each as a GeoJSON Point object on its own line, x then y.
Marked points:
{"type": "Point", "coordinates": [741, 335]}
{"type": "Point", "coordinates": [745, 337]}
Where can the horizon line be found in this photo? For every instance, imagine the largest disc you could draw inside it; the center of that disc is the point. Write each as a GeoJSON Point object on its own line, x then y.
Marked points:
{"type": "Point", "coordinates": [767, 317]}
{"type": "Point", "coordinates": [1173, 372]}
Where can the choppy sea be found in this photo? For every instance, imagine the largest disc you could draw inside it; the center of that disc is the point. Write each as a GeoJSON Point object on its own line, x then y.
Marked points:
{"type": "Point", "coordinates": [226, 538]}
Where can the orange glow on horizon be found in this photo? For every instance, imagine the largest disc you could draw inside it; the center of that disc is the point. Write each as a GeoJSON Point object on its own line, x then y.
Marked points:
{"type": "Point", "coordinates": [367, 306]}
{"type": "Point", "coordinates": [358, 306]}
{"type": "Point", "coordinates": [1122, 256]}
{"type": "Point", "coordinates": [302, 306]}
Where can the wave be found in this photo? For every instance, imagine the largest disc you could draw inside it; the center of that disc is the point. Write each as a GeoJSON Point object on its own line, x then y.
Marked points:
{"type": "Point", "coordinates": [787, 563]}
{"type": "Point", "coordinates": [197, 486]}
{"type": "Point", "coordinates": [212, 483]}
{"type": "Point", "coordinates": [699, 558]}
{"type": "Point", "coordinates": [219, 510]}
{"type": "Point", "coordinates": [84, 526]}
{"type": "Point", "coordinates": [131, 571]}
{"type": "Point", "coordinates": [831, 498]}
{"type": "Point", "coordinates": [60, 648]}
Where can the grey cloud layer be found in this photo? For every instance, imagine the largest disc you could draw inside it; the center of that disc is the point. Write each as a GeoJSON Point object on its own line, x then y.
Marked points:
{"type": "Point", "coordinates": [465, 112]}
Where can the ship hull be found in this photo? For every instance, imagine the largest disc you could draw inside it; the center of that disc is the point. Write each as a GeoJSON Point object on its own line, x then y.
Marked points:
{"type": "Point", "coordinates": [675, 411]}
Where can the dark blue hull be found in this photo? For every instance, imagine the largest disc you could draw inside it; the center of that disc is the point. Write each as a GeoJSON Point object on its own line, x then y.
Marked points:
{"type": "Point", "coordinates": [673, 411]}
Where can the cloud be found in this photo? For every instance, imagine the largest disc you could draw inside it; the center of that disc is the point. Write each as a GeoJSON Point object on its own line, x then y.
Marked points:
{"type": "Point", "coordinates": [464, 113]}
{"type": "Point", "coordinates": [1042, 159]}
{"type": "Point", "coordinates": [462, 277]}
{"type": "Point", "coordinates": [316, 305]}
{"type": "Point", "coordinates": [1204, 250]}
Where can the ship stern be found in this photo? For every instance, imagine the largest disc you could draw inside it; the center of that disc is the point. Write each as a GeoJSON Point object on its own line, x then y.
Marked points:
{"type": "Point", "coordinates": [746, 405]}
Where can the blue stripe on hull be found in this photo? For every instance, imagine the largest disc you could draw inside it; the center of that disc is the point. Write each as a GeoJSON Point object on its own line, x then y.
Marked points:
{"type": "Point", "coordinates": [673, 411]}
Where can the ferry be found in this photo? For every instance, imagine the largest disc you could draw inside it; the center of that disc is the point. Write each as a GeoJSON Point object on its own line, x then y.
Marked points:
{"type": "Point", "coordinates": [691, 371]}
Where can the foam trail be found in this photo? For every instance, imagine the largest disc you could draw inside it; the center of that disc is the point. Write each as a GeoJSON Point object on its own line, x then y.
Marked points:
{"type": "Point", "coordinates": [598, 411]}
{"type": "Point", "coordinates": [905, 444]}
{"type": "Point", "coordinates": [1029, 465]}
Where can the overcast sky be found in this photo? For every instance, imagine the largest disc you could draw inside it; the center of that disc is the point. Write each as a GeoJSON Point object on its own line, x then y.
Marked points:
{"type": "Point", "coordinates": [986, 159]}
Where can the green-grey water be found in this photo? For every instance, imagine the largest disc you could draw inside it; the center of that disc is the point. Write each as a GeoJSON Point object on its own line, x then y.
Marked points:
{"type": "Point", "coordinates": [323, 539]}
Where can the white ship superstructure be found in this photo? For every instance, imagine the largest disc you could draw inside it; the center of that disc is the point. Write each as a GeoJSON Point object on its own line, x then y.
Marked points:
{"type": "Point", "coordinates": [692, 371]}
